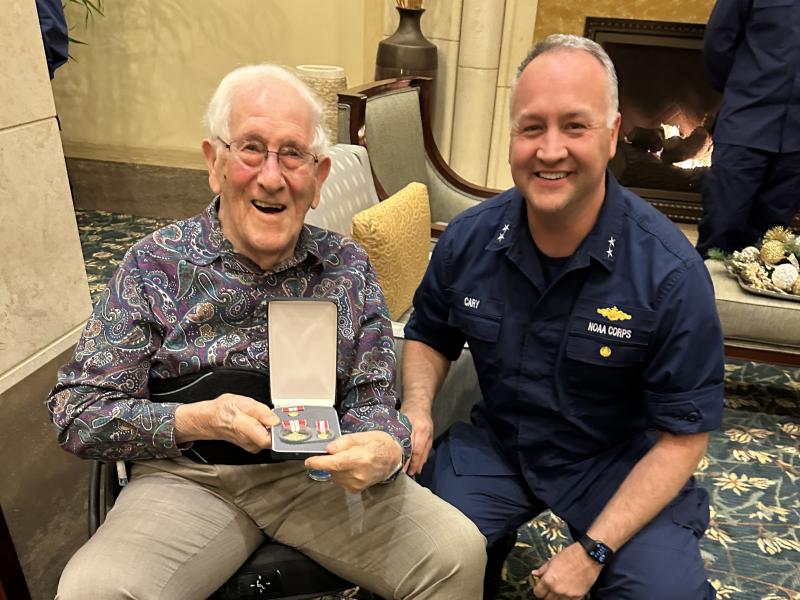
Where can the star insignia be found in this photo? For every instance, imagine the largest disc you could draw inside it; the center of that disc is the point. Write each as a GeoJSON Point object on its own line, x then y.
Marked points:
{"type": "Point", "coordinates": [611, 241]}
{"type": "Point", "coordinates": [501, 237]}
{"type": "Point", "coordinates": [610, 253]}
{"type": "Point", "coordinates": [506, 227]}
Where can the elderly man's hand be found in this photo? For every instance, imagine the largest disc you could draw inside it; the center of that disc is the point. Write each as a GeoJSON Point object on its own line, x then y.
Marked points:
{"type": "Point", "coordinates": [421, 437]}
{"type": "Point", "coordinates": [230, 417]}
{"type": "Point", "coordinates": [359, 460]}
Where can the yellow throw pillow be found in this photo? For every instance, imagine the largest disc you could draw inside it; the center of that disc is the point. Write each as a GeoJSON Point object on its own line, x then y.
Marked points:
{"type": "Point", "coordinates": [396, 233]}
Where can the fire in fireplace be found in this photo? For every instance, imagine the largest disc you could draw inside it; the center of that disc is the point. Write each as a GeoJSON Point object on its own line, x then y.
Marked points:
{"type": "Point", "coordinates": [668, 109]}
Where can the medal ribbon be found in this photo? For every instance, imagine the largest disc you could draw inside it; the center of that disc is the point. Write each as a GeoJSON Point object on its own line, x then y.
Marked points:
{"type": "Point", "coordinates": [294, 424]}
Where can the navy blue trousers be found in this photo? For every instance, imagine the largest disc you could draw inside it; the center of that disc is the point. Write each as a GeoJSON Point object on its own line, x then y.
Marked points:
{"type": "Point", "coordinates": [746, 192]}
{"type": "Point", "coordinates": [661, 562]}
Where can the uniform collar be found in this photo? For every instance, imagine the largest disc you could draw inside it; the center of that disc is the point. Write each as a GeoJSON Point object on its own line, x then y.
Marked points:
{"type": "Point", "coordinates": [207, 243]}
{"type": "Point", "coordinates": [602, 244]}
{"type": "Point", "coordinates": [513, 223]}
{"type": "Point", "coordinates": [604, 241]}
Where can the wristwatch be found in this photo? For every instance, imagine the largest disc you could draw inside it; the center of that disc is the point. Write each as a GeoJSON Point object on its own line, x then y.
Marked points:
{"type": "Point", "coordinates": [597, 550]}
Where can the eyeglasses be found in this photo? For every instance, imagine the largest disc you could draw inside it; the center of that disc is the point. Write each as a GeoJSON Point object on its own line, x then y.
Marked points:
{"type": "Point", "coordinates": [254, 153]}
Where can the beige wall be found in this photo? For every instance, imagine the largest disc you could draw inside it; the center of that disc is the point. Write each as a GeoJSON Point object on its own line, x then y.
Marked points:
{"type": "Point", "coordinates": [44, 296]}
{"type": "Point", "coordinates": [567, 16]}
{"type": "Point", "coordinates": [138, 90]}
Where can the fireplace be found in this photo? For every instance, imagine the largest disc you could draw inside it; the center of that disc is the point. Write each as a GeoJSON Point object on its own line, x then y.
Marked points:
{"type": "Point", "coordinates": [667, 107]}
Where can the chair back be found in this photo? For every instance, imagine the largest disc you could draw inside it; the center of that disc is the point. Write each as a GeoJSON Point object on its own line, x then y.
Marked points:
{"type": "Point", "coordinates": [394, 138]}
{"type": "Point", "coordinates": [392, 119]}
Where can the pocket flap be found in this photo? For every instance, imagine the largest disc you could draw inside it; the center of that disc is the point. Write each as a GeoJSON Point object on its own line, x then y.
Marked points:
{"type": "Point", "coordinates": [604, 352]}
{"type": "Point", "coordinates": [474, 326]}
{"type": "Point", "coordinates": [475, 315]}
{"type": "Point", "coordinates": [771, 3]}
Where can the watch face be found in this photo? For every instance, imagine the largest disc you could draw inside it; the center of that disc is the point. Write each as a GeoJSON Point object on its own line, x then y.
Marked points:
{"type": "Point", "coordinates": [600, 552]}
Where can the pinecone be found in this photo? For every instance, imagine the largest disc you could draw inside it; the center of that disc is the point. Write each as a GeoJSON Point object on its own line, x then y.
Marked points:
{"type": "Point", "coordinates": [754, 275]}
{"type": "Point", "coordinates": [778, 233]}
{"type": "Point", "coordinates": [772, 251]}
{"type": "Point", "coordinates": [784, 276]}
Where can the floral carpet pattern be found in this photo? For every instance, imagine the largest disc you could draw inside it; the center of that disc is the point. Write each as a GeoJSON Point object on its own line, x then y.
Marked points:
{"type": "Point", "coordinates": [751, 470]}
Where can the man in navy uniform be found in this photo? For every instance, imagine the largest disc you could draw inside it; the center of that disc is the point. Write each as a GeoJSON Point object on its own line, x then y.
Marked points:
{"type": "Point", "coordinates": [592, 324]}
{"type": "Point", "coordinates": [752, 54]}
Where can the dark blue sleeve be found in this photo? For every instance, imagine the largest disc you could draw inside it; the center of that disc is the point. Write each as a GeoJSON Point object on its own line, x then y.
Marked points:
{"type": "Point", "coordinates": [429, 320]}
{"type": "Point", "coordinates": [722, 37]}
{"type": "Point", "coordinates": [684, 377]}
{"type": "Point", "coordinates": [54, 33]}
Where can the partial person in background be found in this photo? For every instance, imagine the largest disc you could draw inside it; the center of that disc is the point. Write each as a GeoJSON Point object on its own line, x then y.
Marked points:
{"type": "Point", "coordinates": [592, 323]}
{"type": "Point", "coordinates": [55, 34]}
{"type": "Point", "coordinates": [752, 53]}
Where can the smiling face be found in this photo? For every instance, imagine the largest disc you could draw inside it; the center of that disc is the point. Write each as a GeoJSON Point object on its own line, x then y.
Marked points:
{"type": "Point", "coordinates": [262, 210]}
{"type": "Point", "coordinates": [560, 138]}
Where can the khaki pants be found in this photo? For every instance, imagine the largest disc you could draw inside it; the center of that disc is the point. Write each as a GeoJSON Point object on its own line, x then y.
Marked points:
{"type": "Point", "coordinates": [179, 530]}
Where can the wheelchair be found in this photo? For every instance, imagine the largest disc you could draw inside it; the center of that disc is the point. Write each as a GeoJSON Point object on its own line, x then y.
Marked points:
{"type": "Point", "coordinates": [274, 571]}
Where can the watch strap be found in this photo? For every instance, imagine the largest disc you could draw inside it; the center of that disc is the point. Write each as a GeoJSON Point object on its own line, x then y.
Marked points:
{"type": "Point", "coordinates": [596, 549]}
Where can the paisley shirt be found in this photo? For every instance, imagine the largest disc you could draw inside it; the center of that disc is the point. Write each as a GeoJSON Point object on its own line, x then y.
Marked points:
{"type": "Point", "coordinates": [182, 300]}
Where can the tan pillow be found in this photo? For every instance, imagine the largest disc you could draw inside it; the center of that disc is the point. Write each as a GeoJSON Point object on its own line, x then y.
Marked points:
{"type": "Point", "coordinates": [396, 233]}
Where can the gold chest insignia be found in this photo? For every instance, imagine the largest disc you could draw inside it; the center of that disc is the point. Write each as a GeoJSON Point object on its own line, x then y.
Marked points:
{"type": "Point", "coordinates": [614, 314]}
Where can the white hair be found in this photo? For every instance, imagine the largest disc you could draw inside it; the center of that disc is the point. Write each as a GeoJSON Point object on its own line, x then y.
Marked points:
{"type": "Point", "coordinates": [251, 76]}
{"type": "Point", "coordinates": [564, 41]}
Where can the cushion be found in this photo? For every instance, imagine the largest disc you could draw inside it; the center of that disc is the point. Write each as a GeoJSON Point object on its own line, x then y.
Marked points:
{"type": "Point", "coordinates": [754, 319]}
{"type": "Point", "coordinates": [347, 190]}
{"type": "Point", "coordinates": [396, 234]}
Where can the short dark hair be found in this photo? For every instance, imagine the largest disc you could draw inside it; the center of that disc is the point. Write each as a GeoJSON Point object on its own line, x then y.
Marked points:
{"type": "Point", "coordinates": [564, 41]}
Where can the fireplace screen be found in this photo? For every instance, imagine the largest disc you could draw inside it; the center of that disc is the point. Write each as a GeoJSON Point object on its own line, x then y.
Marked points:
{"type": "Point", "coordinates": [668, 108]}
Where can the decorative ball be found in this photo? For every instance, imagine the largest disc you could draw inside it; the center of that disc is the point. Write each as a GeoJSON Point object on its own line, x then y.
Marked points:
{"type": "Point", "coordinates": [747, 255]}
{"type": "Point", "coordinates": [784, 276]}
{"type": "Point", "coordinates": [772, 251]}
{"type": "Point", "coordinates": [796, 287]}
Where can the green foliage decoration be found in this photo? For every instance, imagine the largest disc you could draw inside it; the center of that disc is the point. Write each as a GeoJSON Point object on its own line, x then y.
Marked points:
{"type": "Point", "coordinates": [90, 9]}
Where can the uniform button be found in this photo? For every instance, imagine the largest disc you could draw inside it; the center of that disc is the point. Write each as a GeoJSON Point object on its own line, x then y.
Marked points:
{"type": "Point", "coordinates": [692, 416]}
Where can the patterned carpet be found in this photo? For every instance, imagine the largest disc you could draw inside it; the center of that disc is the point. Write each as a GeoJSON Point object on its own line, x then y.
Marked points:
{"type": "Point", "coordinates": [752, 548]}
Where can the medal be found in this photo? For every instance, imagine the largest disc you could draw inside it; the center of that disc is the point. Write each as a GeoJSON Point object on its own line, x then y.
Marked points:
{"type": "Point", "coordinates": [323, 429]}
{"type": "Point", "coordinates": [294, 431]}
{"type": "Point", "coordinates": [293, 411]}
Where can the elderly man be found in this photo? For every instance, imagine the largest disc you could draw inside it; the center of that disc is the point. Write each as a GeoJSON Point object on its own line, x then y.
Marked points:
{"type": "Point", "coordinates": [592, 324]}
{"type": "Point", "coordinates": [193, 295]}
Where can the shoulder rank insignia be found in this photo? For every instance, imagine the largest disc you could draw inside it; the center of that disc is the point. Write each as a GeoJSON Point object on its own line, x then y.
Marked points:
{"type": "Point", "coordinates": [614, 314]}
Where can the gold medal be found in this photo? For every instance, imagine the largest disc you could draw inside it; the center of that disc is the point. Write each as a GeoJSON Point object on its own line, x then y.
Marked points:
{"type": "Point", "coordinates": [323, 429]}
{"type": "Point", "coordinates": [294, 431]}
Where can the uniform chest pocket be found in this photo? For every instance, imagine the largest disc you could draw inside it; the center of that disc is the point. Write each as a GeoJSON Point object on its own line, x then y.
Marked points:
{"type": "Point", "coordinates": [477, 318]}
{"type": "Point", "coordinates": [605, 352]}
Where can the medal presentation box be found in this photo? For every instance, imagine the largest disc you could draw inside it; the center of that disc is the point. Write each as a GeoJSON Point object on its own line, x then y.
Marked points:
{"type": "Point", "coordinates": [302, 357]}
